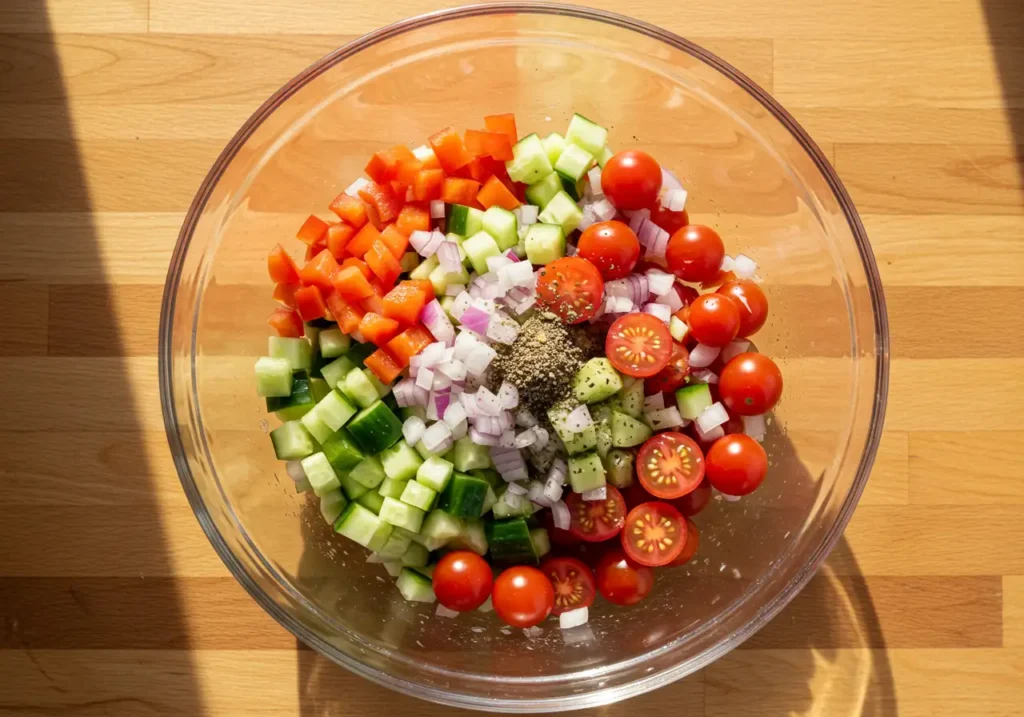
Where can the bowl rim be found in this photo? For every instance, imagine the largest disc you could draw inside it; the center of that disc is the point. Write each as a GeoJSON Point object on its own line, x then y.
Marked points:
{"type": "Point", "coordinates": [600, 696]}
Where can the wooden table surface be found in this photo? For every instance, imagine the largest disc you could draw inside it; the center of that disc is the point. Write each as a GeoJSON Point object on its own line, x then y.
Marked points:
{"type": "Point", "coordinates": [113, 602]}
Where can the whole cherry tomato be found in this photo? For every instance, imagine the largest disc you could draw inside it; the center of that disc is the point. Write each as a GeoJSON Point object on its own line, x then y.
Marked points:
{"type": "Point", "coordinates": [610, 246]}
{"type": "Point", "coordinates": [751, 302]}
{"type": "Point", "coordinates": [695, 253]}
{"type": "Point", "coordinates": [631, 180]}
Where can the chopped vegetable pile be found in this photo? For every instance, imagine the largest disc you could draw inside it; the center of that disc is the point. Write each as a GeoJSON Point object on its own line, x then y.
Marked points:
{"type": "Point", "coordinates": [500, 343]}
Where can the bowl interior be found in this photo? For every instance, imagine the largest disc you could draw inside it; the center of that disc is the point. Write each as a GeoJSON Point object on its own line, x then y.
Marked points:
{"type": "Point", "coordinates": [763, 187]}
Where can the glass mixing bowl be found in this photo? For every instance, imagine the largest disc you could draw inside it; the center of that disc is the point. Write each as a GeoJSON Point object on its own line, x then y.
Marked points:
{"type": "Point", "coordinates": [751, 172]}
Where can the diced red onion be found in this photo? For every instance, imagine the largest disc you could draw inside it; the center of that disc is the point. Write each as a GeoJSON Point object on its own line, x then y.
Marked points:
{"type": "Point", "coordinates": [671, 300]}
{"type": "Point", "coordinates": [412, 430]}
{"type": "Point", "coordinates": [710, 436]}
{"type": "Point", "coordinates": [637, 219]}
{"type": "Point", "coordinates": [542, 437]}
{"type": "Point", "coordinates": [711, 417]}
{"type": "Point", "coordinates": [469, 401]}
{"type": "Point", "coordinates": [425, 379]}
{"type": "Point", "coordinates": [403, 391]}
{"type": "Point", "coordinates": [358, 336]}
{"type": "Point", "coordinates": [659, 282]}
{"type": "Point", "coordinates": [461, 303]}
{"type": "Point", "coordinates": [660, 244]}
{"type": "Point", "coordinates": [437, 322]}
{"type": "Point", "coordinates": [525, 439]}
{"type": "Point", "coordinates": [448, 256]}
{"type": "Point", "coordinates": [513, 474]}
{"type": "Point", "coordinates": [435, 436]}
{"type": "Point", "coordinates": [744, 267]}
{"type": "Point", "coordinates": [528, 214]}
{"type": "Point", "coordinates": [432, 354]}
{"type": "Point", "coordinates": [295, 471]}
{"type": "Point", "coordinates": [493, 264]}
{"type": "Point", "coordinates": [560, 515]}
{"type": "Point", "coordinates": [476, 320]}
{"type": "Point", "coordinates": [654, 403]}
{"type": "Point", "coordinates": [705, 375]}
{"type": "Point", "coordinates": [618, 287]}
{"type": "Point", "coordinates": [353, 189]}
{"type": "Point", "coordinates": [479, 359]}
{"type": "Point", "coordinates": [702, 356]}
{"type": "Point", "coordinates": [558, 471]}
{"type": "Point", "coordinates": [420, 239]}
{"type": "Point", "coordinates": [573, 618]}
{"type": "Point", "coordinates": [648, 233]}
{"type": "Point", "coordinates": [513, 257]}
{"type": "Point", "coordinates": [589, 218]}
{"type": "Point", "coordinates": [525, 305]}
{"type": "Point", "coordinates": [659, 311]}
{"type": "Point", "coordinates": [669, 181]}
{"type": "Point", "coordinates": [594, 178]}
{"type": "Point", "coordinates": [579, 419]}
{"type": "Point", "coordinates": [536, 494]}
{"type": "Point", "coordinates": [733, 349]}
{"type": "Point", "coordinates": [420, 396]}
{"type": "Point", "coordinates": [518, 273]}
{"type": "Point", "coordinates": [453, 369]}
{"type": "Point", "coordinates": [674, 200]}
{"type": "Point", "coordinates": [618, 304]}
{"type": "Point", "coordinates": [754, 426]}
{"type": "Point", "coordinates": [727, 263]}
{"type": "Point", "coordinates": [665, 418]}
{"type": "Point", "coordinates": [488, 425]}
{"type": "Point", "coordinates": [603, 210]}
{"type": "Point", "coordinates": [516, 489]}
{"type": "Point", "coordinates": [513, 500]}
{"type": "Point", "coordinates": [504, 330]}
{"type": "Point", "coordinates": [524, 418]}
{"type": "Point", "coordinates": [505, 419]}
{"type": "Point", "coordinates": [508, 395]}
{"type": "Point", "coordinates": [437, 209]}
{"type": "Point", "coordinates": [508, 439]}
{"type": "Point", "coordinates": [460, 430]}
{"type": "Point", "coordinates": [553, 490]}
{"type": "Point", "coordinates": [454, 414]}
{"type": "Point", "coordinates": [441, 403]}
{"type": "Point", "coordinates": [487, 402]}
{"type": "Point", "coordinates": [595, 493]}
{"type": "Point", "coordinates": [436, 240]}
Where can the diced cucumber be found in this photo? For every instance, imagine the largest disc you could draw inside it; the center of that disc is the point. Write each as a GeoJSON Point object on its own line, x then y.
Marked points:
{"type": "Point", "coordinates": [375, 428]}
{"type": "Point", "coordinates": [489, 500]}
{"type": "Point", "coordinates": [529, 160]}
{"type": "Point", "coordinates": [562, 210]}
{"type": "Point", "coordinates": [586, 472]}
{"type": "Point", "coordinates": [544, 243]}
{"type": "Point", "coordinates": [586, 134]}
{"type": "Point", "coordinates": [618, 466]}
{"type": "Point", "coordinates": [473, 536]}
{"type": "Point", "coordinates": [462, 220]}
{"type": "Point", "coordinates": [469, 455]}
{"type": "Point", "coordinates": [479, 248]}
{"type": "Point", "coordinates": [311, 331]}
{"type": "Point", "coordinates": [438, 528]}
{"type": "Point", "coordinates": [292, 441]}
{"type": "Point", "coordinates": [320, 388]}
{"type": "Point", "coordinates": [541, 192]}
{"type": "Point", "coordinates": [358, 352]}
{"type": "Point", "coordinates": [574, 162]}
{"type": "Point", "coordinates": [490, 475]}
{"type": "Point", "coordinates": [342, 452]}
{"type": "Point", "coordinates": [274, 376]}
{"type": "Point", "coordinates": [383, 390]}
{"type": "Point", "coordinates": [627, 431]}
{"type": "Point", "coordinates": [502, 225]}
{"type": "Point", "coordinates": [409, 411]}
{"type": "Point", "coordinates": [353, 489]}
{"type": "Point", "coordinates": [361, 525]}
{"type": "Point", "coordinates": [332, 505]}
{"type": "Point", "coordinates": [510, 505]}
{"type": "Point", "coordinates": [604, 156]}
{"type": "Point", "coordinates": [415, 587]}
{"type": "Point", "coordinates": [575, 443]}
{"type": "Point", "coordinates": [317, 427]}
{"type": "Point", "coordinates": [422, 271]}
{"type": "Point", "coordinates": [631, 399]}
{"type": "Point", "coordinates": [320, 474]}
{"type": "Point", "coordinates": [395, 547]}
{"type": "Point", "coordinates": [440, 279]}
{"type": "Point", "coordinates": [418, 495]}
{"type": "Point", "coordinates": [392, 488]}
{"type": "Point", "coordinates": [427, 571]}
{"type": "Point", "coordinates": [336, 370]}
{"type": "Point", "coordinates": [394, 567]}
{"type": "Point", "coordinates": [422, 450]}
{"type": "Point", "coordinates": [334, 410]}
{"type": "Point", "coordinates": [299, 401]}
{"type": "Point", "coordinates": [368, 472]}
{"type": "Point", "coordinates": [573, 189]}
{"type": "Point", "coordinates": [464, 496]}
{"type": "Point", "coordinates": [400, 461]}
{"type": "Point", "coordinates": [434, 473]}
{"type": "Point", "coordinates": [603, 430]}
{"type": "Point", "coordinates": [298, 351]}
{"type": "Point", "coordinates": [554, 144]}
{"type": "Point", "coordinates": [409, 261]}
{"type": "Point", "coordinates": [678, 328]}
{"type": "Point", "coordinates": [509, 542]}
{"type": "Point", "coordinates": [596, 381]}
{"type": "Point", "coordinates": [692, 400]}
{"type": "Point", "coordinates": [333, 343]}
{"type": "Point", "coordinates": [395, 512]}
{"type": "Point", "coordinates": [415, 556]}
{"type": "Point", "coordinates": [541, 542]}
{"type": "Point", "coordinates": [303, 486]}
{"type": "Point", "coordinates": [359, 388]}
{"type": "Point", "coordinates": [371, 500]}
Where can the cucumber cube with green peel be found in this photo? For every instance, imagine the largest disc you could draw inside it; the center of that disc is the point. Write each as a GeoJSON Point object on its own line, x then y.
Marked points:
{"type": "Point", "coordinates": [361, 525]}
{"type": "Point", "coordinates": [554, 145]}
{"type": "Point", "coordinates": [354, 490]}
{"type": "Point", "coordinates": [336, 370]}
{"type": "Point", "coordinates": [479, 248]}
{"type": "Point", "coordinates": [273, 377]}
{"type": "Point", "coordinates": [529, 160]}
{"type": "Point", "coordinates": [415, 587]}
{"type": "Point", "coordinates": [392, 488]}
{"type": "Point", "coordinates": [586, 472]}
{"type": "Point", "coordinates": [563, 211]}
{"type": "Point", "coordinates": [396, 513]}
{"type": "Point", "coordinates": [502, 225]}
{"type": "Point", "coordinates": [586, 134]}
{"type": "Point", "coordinates": [434, 473]}
{"type": "Point", "coordinates": [401, 461]}
{"type": "Point", "coordinates": [368, 472]}
{"type": "Point", "coordinates": [541, 192]}
{"type": "Point", "coordinates": [692, 400]}
{"type": "Point", "coordinates": [415, 556]}
{"type": "Point", "coordinates": [596, 381]}
{"type": "Point", "coordinates": [574, 163]}
{"type": "Point", "coordinates": [544, 243]}
{"type": "Point", "coordinates": [298, 351]}
{"type": "Point", "coordinates": [292, 441]}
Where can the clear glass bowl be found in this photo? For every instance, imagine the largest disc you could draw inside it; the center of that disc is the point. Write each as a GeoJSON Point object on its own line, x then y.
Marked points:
{"type": "Point", "coordinates": [752, 173]}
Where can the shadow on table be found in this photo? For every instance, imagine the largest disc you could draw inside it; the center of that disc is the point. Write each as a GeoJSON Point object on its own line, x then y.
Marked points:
{"type": "Point", "coordinates": [1005, 20]}
{"type": "Point", "coordinates": [91, 622]}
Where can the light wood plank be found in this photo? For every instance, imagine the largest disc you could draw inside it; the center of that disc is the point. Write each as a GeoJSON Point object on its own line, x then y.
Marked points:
{"type": "Point", "coordinates": [99, 120]}
{"type": "Point", "coordinates": [966, 468]}
{"type": "Point", "coordinates": [896, 124]}
{"type": "Point", "coordinates": [74, 16]}
{"type": "Point", "coordinates": [1013, 611]}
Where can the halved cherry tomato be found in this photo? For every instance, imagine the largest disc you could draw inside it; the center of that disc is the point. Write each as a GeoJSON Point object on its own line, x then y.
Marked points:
{"type": "Point", "coordinates": [673, 375]}
{"type": "Point", "coordinates": [462, 580]}
{"type": "Point", "coordinates": [638, 345]}
{"type": "Point", "coordinates": [696, 500]}
{"type": "Point", "coordinates": [610, 246]}
{"type": "Point", "coordinates": [596, 520]}
{"type": "Point", "coordinates": [695, 252]}
{"type": "Point", "coordinates": [750, 384]}
{"type": "Point", "coordinates": [668, 220]}
{"type": "Point", "coordinates": [670, 465]}
{"type": "Point", "coordinates": [572, 288]}
{"type": "Point", "coordinates": [282, 268]}
{"type": "Point", "coordinates": [690, 547]}
{"type": "Point", "coordinates": [286, 322]}
{"type": "Point", "coordinates": [631, 180]}
{"type": "Point", "coordinates": [523, 596]}
{"type": "Point", "coordinates": [714, 319]}
{"type": "Point", "coordinates": [573, 582]}
{"type": "Point", "coordinates": [623, 581]}
{"type": "Point", "coordinates": [736, 464]}
{"type": "Point", "coordinates": [752, 303]}
{"type": "Point", "coordinates": [654, 534]}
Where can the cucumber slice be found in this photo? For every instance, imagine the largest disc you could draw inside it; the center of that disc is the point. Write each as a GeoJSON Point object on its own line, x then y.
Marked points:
{"type": "Point", "coordinates": [464, 496]}
{"type": "Point", "coordinates": [400, 461]}
{"type": "Point", "coordinates": [574, 163]}
{"type": "Point", "coordinates": [473, 536]}
{"type": "Point", "coordinates": [586, 472]}
{"type": "Point", "coordinates": [509, 542]}
{"type": "Point", "coordinates": [392, 488]}
{"type": "Point", "coordinates": [361, 525]}
{"type": "Point", "coordinates": [596, 381]}
{"type": "Point", "coordinates": [418, 495]}
{"type": "Point", "coordinates": [320, 474]}
{"type": "Point", "coordinates": [292, 441]}
{"type": "Point", "coordinates": [354, 490]}
{"type": "Point", "coordinates": [604, 156]}
{"type": "Point", "coordinates": [468, 455]}
{"type": "Point", "coordinates": [371, 500]}
{"type": "Point", "coordinates": [395, 512]}
{"type": "Point", "coordinates": [618, 466]}
{"type": "Point", "coordinates": [434, 473]}
{"type": "Point", "coordinates": [529, 160]}
{"type": "Point", "coordinates": [562, 210]}
{"type": "Point", "coordinates": [368, 472]}
{"type": "Point", "coordinates": [479, 248]}
{"type": "Point", "coordinates": [274, 376]}
{"type": "Point", "coordinates": [631, 399]}
{"type": "Point", "coordinates": [554, 145]}
{"type": "Point", "coordinates": [415, 556]}
{"type": "Point", "coordinates": [692, 400]}
{"type": "Point", "coordinates": [359, 388]}
{"type": "Point", "coordinates": [332, 505]}
{"type": "Point", "coordinates": [627, 431]}
{"type": "Point", "coordinates": [544, 243]}
{"type": "Point", "coordinates": [586, 134]}
{"type": "Point", "coordinates": [502, 225]}
{"type": "Point", "coordinates": [336, 370]}
{"type": "Point", "coordinates": [299, 401]}
{"type": "Point", "coordinates": [342, 452]}
{"type": "Point", "coordinates": [334, 410]}
{"type": "Point", "coordinates": [298, 351]}
{"type": "Point", "coordinates": [333, 343]}
{"type": "Point", "coordinates": [541, 542]}
{"type": "Point", "coordinates": [375, 428]}
{"type": "Point", "coordinates": [422, 271]}
{"type": "Point", "coordinates": [415, 587]}
{"type": "Point", "coordinates": [541, 192]}
{"type": "Point", "coordinates": [439, 528]}
{"type": "Point", "coordinates": [463, 220]}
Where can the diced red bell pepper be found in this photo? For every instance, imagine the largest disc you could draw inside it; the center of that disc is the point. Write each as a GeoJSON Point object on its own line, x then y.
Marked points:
{"type": "Point", "coordinates": [378, 329]}
{"type": "Point", "coordinates": [427, 185]}
{"type": "Point", "coordinates": [347, 315]}
{"type": "Point", "coordinates": [506, 124]}
{"type": "Point", "coordinates": [282, 267]}
{"type": "Point", "coordinates": [374, 303]}
{"type": "Point", "coordinates": [405, 302]}
{"type": "Point", "coordinates": [383, 365]}
{"type": "Point", "coordinates": [285, 293]}
{"type": "Point", "coordinates": [407, 171]}
{"type": "Point", "coordinates": [363, 240]}
{"type": "Point", "coordinates": [338, 235]}
{"type": "Point", "coordinates": [450, 151]}
{"type": "Point", "coordinates": [350, 283]}
{"type": "Point", "coordinates": [320, 270]}
{"type": "Point", "coordinates": [383, 263]}
{"type": "Point", "coordinates": [395, 240]}
{"type": "Point", "coordinates": [495, 193]}
{"type": "Point", "coordinates": [309, 302]}
{"type": "Point", "coordinates": [460, 191]}
{"type": "Point", "coordinates": [409, 343]}
{"type": "Point", "coordinates": [413, 217]}
{"type": "Point", "coordinates": [351, 210]}
{"type": "Point", "coordinates": [492, 144]}
{"type": "Point", "coordinates": [424, 284]}
{"type": "Point", "coordinates": [286, 322]}
{"type": "Point", "coordinates": [383, 199]}
{"type": "Point", "coordinates": [312, 230]}
{"type": "Point", "coordinates": [359, 264]}
{"type": "Point", "coordinates": [314, 249]}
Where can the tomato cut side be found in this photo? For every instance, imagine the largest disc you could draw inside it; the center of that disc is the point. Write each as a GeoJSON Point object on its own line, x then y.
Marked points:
{"type": "Point", "coordinates": [638, 345]}
{"type": "Point", "coordinates": [597, 520]}
{"type": "Point", "coordinates": [573, 582]}
{"type": "Point", "coordinates": [572, 288]}
{"type": "Point", "coordinates": [654, 534]}
{"type": "Point", "coordinates": [670, 465]}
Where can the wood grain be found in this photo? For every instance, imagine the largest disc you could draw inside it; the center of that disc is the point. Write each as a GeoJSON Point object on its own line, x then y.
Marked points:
{"type": "Point", "coordinates": [112, 600]}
